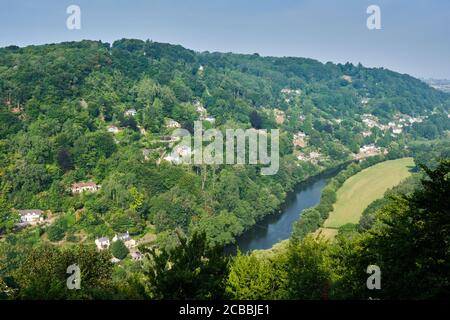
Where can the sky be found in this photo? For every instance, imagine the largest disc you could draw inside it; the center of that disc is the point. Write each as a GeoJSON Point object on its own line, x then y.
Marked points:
{"type": "Point", "coordinates": [414, 37]}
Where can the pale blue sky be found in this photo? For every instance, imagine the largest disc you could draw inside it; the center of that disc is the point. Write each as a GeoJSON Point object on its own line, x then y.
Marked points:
{"type": "Point", "coordinates": [415, 35]}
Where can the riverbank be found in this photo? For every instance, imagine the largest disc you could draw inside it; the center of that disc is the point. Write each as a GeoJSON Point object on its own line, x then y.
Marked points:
{"type": "Point", "coordinates": [379, 166]}
{"type": "Point", "coordinates": [362, 189]}
{"type": "Point", "coordinates": [277, 227]}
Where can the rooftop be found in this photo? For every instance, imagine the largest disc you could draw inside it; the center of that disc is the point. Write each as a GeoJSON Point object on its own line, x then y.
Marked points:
{"type": "Point", "coordinates": [30, 211]}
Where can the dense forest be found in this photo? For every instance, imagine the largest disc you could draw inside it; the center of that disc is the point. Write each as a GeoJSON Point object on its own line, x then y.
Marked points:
{"type": "Point", "coordinates": [88, 112]}
{"type": "Point", "coordinates": [406, 236]}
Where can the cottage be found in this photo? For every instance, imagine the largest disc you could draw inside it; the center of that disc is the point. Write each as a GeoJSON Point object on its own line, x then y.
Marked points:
{"type": "Point", "coordinates": [291, 91]}
{"type": "Point", "coordinates": [299, 139]}
{"type": "Point", "coordinates": [365, 100]}
{"type": "Point", "coordinates": [279, 116]}
{"type": "Point", "coordinates": [369, 121]}
{"type": "Point", "coordinates": [114, 129]}
{"type": "Point", "coordinates": [369, 151]}
{"type": "Point", "coordinates": [115, 260]}
{"type": "Point", "coordinates": [367, 133]}
{"type": "Point", "coordinates": [31, 216]}
{"type": "Point", "coordinates": [102, 243]}
{"type": "Point", "coordinates": [210, 119]}
{"type": "Point", "coordinates": [347, 78]}
{"type": "Point", "coordinates": [200, 108]}
{"type": "Point", "coordinates": [80, 187]}
{"type": "Point", "coordinates": [170, 123]}
{"type": "Point", "coordinates": [137, 256]}
{"type": "Point", "coordinates": [312, 157]}
{"type": "Point", "coordinates": [179, 153]}
{"type": "Point", "coordinates": [131, 112]}
{"type": "Point", "coordinates": [372, 121]}
{"type": "Point", "coordinates": [125, 238]}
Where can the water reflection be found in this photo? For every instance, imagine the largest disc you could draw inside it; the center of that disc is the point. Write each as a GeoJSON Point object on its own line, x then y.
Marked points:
{"type": "Point", "coordinates": [277, 227]}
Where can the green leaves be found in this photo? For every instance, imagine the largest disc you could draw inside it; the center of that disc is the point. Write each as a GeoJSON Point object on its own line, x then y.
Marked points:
{"type": "Point", "coordinates": [119, 250]}
{"type": "Point", "coordinates": [192, 270]}
{"type": "Point", "coordinates": [9, 124]}
{"type": "Point", "coordinates": [42, 273]}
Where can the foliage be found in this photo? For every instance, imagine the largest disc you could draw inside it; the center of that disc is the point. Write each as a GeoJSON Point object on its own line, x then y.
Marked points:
{"type": "Point", "coordinates": [193, 270]}
{"type": "Point", "coordinates": [256, 278]}
{"type": "Point", "coordinates": [57, 230]}
{"type": "Point", "coordinates": [57, 102]}
{"type": "Point", "coordinates": [42, 274]}
{"type": "Point", "coordinates": [119, 250]}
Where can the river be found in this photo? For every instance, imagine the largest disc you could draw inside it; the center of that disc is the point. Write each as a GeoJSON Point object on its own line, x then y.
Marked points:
{"type": "Point", "coordinates": [277, 227]}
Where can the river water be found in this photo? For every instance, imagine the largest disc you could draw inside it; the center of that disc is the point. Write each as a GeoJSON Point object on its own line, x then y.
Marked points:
{"type": "Point", "coordinates": [277, 227]}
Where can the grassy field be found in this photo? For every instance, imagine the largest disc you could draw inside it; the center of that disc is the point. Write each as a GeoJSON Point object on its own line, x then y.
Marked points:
{"type": "Point", "coordinates": [363, 188]}
{"type": "Point", "coordinates": [327, 233]}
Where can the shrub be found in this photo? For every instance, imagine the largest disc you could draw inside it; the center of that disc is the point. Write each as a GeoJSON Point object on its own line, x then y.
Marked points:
{"type": "Point", "coordinates": [57, 231]}
{"type": "Point", "coordinates": [119, 250]}
{"type": "Point", "coordinates": [309, 221]}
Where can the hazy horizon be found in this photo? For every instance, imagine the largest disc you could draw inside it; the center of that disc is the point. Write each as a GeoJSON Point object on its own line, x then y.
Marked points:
{"type": "Point", "coordinates": [412, 39]}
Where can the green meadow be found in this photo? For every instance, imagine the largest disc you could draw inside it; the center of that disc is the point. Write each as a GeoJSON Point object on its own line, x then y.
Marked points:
{"type": "Point", "coordinates": [363, 188]}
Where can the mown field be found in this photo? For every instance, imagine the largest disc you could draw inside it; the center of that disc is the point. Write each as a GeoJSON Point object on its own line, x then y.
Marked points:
{"type": "Point", "coordinates": [363, 188]}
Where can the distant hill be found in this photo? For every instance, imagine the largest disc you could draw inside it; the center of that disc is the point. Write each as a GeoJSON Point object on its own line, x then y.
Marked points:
{"type": "Point", "coordinates": [442, 85]}
{"type": "Point", "coordinates": [97, 113]}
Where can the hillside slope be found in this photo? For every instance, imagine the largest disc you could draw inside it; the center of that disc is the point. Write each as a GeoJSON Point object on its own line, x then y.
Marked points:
{"type": "Point", "coordinates": [99, 113]}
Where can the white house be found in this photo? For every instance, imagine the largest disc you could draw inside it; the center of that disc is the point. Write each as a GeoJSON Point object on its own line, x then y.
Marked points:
{"type": "Point", "coordinates": [369, 151]}
{"type": "Point", "coordinates": [200, 108]}
{"type": "Point", "coordinates": [170, 123]}
{"type": "Point", "coordinates": [80, 187]}
{"type": "Point", "coordinates": [291, 91]}
{"type": "Point", "coordinates": [131, 112]}
{"type": "Point", "coordinates": [178, 154]}
{"type": "Point", "coordinates": [126, 239]}
{"type": "Point", "coordinates": [31, 216]}
{"type": "Point", "coordinates": [102, 243]}
{"type": "Point", "coordinates": [210, 119]}
{"type": "Point", "coordinates": [365, 100]}
{"type": "Point", "coordinates": [114, 129]}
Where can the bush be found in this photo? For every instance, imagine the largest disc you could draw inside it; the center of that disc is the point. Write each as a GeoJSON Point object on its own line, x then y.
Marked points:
{"type": "Point", "coordinates": [309, 221]}
{"type": "Point", "coordinates": [56, 232]}
{"type": "Point", "coordinates": [72, 238]}
{"type": "Point", "coordinates": [347, 229]}
{"type": "Point", "coordinates": [119, 250]}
